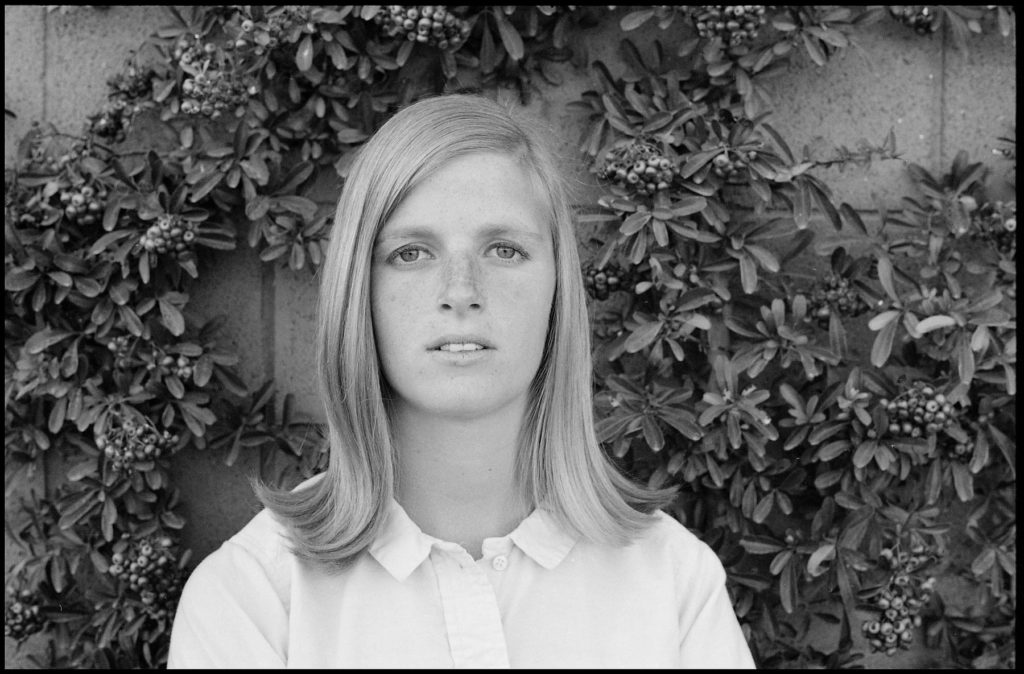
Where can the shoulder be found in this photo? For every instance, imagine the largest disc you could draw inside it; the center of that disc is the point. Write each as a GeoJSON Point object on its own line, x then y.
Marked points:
{"type": "Point", "coordinates": [669, 540]}
{"type": "Point", "coordinates": [255, 556]}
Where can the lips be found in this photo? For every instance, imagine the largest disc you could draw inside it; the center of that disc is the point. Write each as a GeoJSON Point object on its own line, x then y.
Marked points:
{"type": "Point", "coordinates": [456, 343]}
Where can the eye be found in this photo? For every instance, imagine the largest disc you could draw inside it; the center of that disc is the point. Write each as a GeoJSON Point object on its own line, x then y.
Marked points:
{"type": "Point", "coordinates": [507, 251]}
{"type": "Point", "coordinates": [407, 255]}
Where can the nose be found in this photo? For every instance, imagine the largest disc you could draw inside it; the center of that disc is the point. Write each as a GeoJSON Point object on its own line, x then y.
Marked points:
{"type": "Point", "coordinates": [460, 285]}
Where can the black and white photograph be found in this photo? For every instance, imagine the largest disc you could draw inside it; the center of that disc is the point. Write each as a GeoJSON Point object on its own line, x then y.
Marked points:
{"type": "Point", "coordinates": [534, 336]}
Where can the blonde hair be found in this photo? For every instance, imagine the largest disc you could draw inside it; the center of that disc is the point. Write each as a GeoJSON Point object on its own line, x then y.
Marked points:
{"type": "Point", "coordinates": [560, 465]}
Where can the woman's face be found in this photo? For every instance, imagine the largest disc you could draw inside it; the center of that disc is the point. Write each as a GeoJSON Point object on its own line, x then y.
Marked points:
{"type": "Point", "coordinates": [463, 278]}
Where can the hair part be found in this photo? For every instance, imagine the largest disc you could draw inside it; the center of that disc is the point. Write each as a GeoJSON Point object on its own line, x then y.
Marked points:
{"type": "Point", "coordinates": [559, 466]}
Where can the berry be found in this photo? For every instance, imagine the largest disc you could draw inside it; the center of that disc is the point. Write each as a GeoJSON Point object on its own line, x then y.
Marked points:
{"type": "Point", "coordinates": [170, 234]}
{"type": "Point", "coordinates": [609, 279]}
{"type": "Point", "coordinates": [155, 577]}
{"type": "Point", "coordinates": [433, 25]}
{"type": "Point", "coordinates": [734, 24]}
{"type": "Point", "coordinates": [922, 18]}
{"type": "Point", "coordinates": [639, 167]}
{"type": "Point", "coordinates": [22, 614]}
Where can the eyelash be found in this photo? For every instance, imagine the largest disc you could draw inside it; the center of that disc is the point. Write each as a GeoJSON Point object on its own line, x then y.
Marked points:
{"type": "Point", "coordinates": [394, 257]}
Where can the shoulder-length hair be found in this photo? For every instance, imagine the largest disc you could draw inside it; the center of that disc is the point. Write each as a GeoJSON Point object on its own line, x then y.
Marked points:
{"type": "Point", "coordinates": [559, 466]}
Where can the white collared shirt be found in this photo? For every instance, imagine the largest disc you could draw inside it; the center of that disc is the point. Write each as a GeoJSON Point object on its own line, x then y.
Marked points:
{"type": "Point", "coordinates": [537, 598]}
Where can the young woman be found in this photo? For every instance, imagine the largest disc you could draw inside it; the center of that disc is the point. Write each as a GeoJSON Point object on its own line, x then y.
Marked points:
{"type": "Point", "coordinates": [468, 517]}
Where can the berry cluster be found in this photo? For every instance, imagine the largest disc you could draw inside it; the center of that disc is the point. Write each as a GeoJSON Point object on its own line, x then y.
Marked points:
{"type": "Point", "coordinates": [132, 442]}
{"type": "Point", "coordinates": [120, 346]}
{"type": "Point", "coordinates": [281, 23]}
{"type": "Point", "coordinates": [900, 602]}
{"type": "Point", "coordinates": [133, 84]}
{"type": "Point", "coordinates": [601, 282]}
{"type": "Point", "coordinates": [431, 24]}
{"type": "Point", "coordinates": [735, 24]}
{"type": "Point", "coordinates": [919, 411]}
{"type": "Point", "coordinates": [112, 122]}
{"type": "Point", "coordinates": [84, 204]}
{"type": "Point", "coordinates": [835, 294]}
{"type": "Point", "coordinates": [149, 567]}
{"type": "Point", "coordinates": [208, 89]}
{"type": "Point", "coordinates": [640, 167]}
{"type": "Point", "coordinates": [997, 223]}
{"type": "Point", "coordinates": [731, 168]}
{"type": "Point", "coordinates": [182, 367]}
{"type": "Point", "coordinates": [922, 18]}
{"type": "Point", "coordinates": [22, 616]}
{"type": "Point", "coordinates": [170, 234]}
{"type": "Point", "coordinates": [41, 153]}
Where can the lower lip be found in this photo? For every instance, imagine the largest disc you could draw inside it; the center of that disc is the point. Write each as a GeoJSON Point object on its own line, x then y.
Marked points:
{"type": "Point", "coordinates": [460, 357]}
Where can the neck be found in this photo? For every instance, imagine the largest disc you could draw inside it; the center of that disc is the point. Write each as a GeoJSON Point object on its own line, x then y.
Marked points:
{"type": "Point", "coordinates": [457, 476]}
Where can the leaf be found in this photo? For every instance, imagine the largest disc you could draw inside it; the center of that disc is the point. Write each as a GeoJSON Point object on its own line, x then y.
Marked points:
{"type": "Point", "coordinates": [688, 205]}
{"type": "Point", "coordinates": [764, 508]}
{"type": "Point", "coordinates": [801, 206]}
{"type": "Point", "coordinates": [57, 415]}
{"type": "Point", "coordinates": [635, 222]}
{"type": "Point", "coordinates": [885, 277]}
{"type": "Point", "coordinates": [883, 319]}
{"type": "Point", "coordinates": [652, 434]}
{"type": "Point", "coordinates": [108, 519]}
{"type": "Point", "coordinates": [748, 274]}
{"type": "Point", "coordinates": [300, 205]}
{"type": "Point", "coordinates": [787, 588]}
{"type": "Point", "coordinates": [171, 317]}
{"type": "Point", "coordinates": [851, 216]}
{"type": "Point", "coordinates": [509, 36]}
{"type": "Point", "coordinates": [172, 520]}
{"type": "Point", "coordinates": [935, 323]}
{"type": "Point", "coordinates": [764, 256]}
{"type": "Point", "coordinates": [634, 20]}
{"type": "Point", "coordinates": [304, 54]}
{"type": "Point", "coordinates": [643, 336]}
{"type": "Point", "coordinates": [882, 346]}
{"type": "Point", "coordinates": [81, 470]}
{"type": "Point", "coordinates": [174, 385]}
{"type": "Point", "coordinates": [963, 481]}
{"type": "Point", "coordinates": [818, 56]}
{"type": "Point", "coordinates": [819, 557]}
{"type": "Point", "coordinates": [107, 240]}
{"type": "Point", "coordinates": [760, 545]}
{"type": "Point", "coordinates": [832, 450]}
{"type": "Point", "coordinates": [44, 339]}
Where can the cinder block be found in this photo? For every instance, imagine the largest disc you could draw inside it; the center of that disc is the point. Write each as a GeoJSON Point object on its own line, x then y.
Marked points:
{"type": "Point", "coordinates": [980, 106]}
{"type": "Point", "coordinates": [24, 59]}
{"type": "Point", "coordinates": [295, 295]}
{"type": "Point", "coordinates": [233, 284]}
{"type": "Point", "coordinates": [83, 48]}
{"type": "Point", "coordinates": [891, 79]}
{"type": "Point", "coordinates": [216, 499]}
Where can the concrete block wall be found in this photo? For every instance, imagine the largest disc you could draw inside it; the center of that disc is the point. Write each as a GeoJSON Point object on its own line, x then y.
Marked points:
{"type": "Point", "coordinates": [936, 99]}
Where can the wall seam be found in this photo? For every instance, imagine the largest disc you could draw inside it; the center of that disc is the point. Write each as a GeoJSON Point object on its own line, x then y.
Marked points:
{"type": "Point", "coordinates": [49, 456]}
{"type": "Point", "coordinates": [46, 58]}
{"type": "Point", "coordinates": [942, 97]}
{"type": "Point", "coordinates": [268, 306]}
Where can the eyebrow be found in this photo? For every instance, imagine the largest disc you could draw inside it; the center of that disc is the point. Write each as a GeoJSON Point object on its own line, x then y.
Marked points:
{"type": "Point", "coordinates": [491, 231]}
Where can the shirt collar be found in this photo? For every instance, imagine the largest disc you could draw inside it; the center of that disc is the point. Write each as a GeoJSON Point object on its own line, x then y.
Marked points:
{"type": "Point", "coordinates": [401, 546]}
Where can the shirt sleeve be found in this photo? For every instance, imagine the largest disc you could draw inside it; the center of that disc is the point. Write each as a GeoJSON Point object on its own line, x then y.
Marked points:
{"type": "Point", "coordinates": [229, 616]}
{"type": "Point", "coordinates": [712, 638]}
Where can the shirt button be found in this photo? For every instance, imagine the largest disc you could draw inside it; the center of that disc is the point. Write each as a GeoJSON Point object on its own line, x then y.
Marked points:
{"type": "Point", "coordinates": [500, 563]}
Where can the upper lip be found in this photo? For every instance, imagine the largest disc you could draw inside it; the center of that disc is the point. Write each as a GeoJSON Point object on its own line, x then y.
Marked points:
{"type": "Point", "coordinates": [460, 339]}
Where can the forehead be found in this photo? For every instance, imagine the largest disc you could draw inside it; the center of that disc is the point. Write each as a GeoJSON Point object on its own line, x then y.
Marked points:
{"type": "Point", "coordinates": [484, 189]}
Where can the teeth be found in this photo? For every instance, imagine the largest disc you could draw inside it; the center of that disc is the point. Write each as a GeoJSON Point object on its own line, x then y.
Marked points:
{"type": "Point", "coordinates": [468, 346]}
